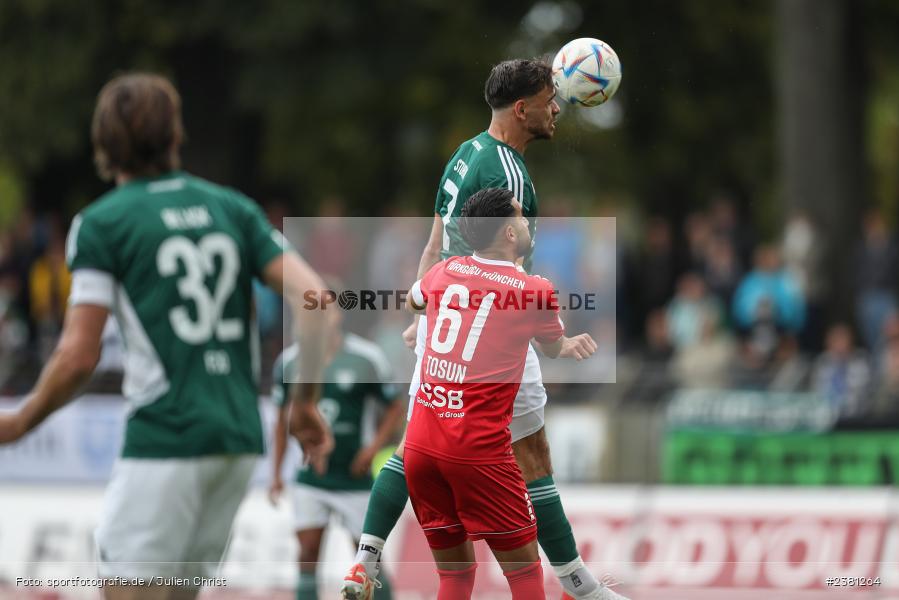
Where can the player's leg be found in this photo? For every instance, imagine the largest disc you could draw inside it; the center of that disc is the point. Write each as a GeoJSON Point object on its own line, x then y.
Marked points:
{"type": "Point", "coordinates": [350, 508]}
{"type": "Point", "coordinates": [553, 529]}
{"type": "Point", "coordinates": [156, 510]}
{"type": "Point", "coordinates": [532, 454]}
{"type": "Point", "coordinates": [311, 514]}
{"type": "Point", "coordinates": [432, 490]}
{"type": "Point", "coordinates": [223, 481]}
{"type": "Point", "coordinates": [522, 569]}
{"type": "Point", "coordinates": [389, 493]}
{"type": "Point", "coordinates": [455, 566]}
{"type": "Point", "coordinates": [149, 509]}
{"type": "Point", "coordinates": [386, 503]}
{"type": "Point", "coordinates": [493, 504]}
{"type": "Point", "coordinates": [310, 542]}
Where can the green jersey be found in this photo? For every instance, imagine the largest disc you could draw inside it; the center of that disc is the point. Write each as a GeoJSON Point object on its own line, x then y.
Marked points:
{"type": "Point", "coordinates": [173, 258]}
{"type": "Point", "coordinates": [357, 385]}
{"type": "Point", "coordinates": [481, 162]}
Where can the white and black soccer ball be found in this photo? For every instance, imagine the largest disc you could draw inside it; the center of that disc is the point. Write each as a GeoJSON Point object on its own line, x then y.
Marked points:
{"type": "Point", "coordinates": [586, 71]}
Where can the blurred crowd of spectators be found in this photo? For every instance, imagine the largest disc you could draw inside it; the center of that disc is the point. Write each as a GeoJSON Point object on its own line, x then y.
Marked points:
{"type": "Point", "coordinates": [34, 288]}
{"type": "Point", "coordinates": [717, 308]}
{"type": "Point", "coordinates": [703, 303]}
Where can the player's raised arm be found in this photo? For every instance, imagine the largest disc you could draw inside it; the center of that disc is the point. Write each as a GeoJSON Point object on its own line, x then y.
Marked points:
{"type": "Point", "coordinates": [550, 336]}
{"type": "Point", "coordinates": [78, 349]}
{"type": "Point", "coordinates": [430, 256]}
{"type": "Point", "coordinates": [293, 278]}
{"type": "Point", "coordinates": [416, 302]}
{"type": "Point", "coordinates": [578, 347]}
{"type": "Point", "coordinates": [69, 367]}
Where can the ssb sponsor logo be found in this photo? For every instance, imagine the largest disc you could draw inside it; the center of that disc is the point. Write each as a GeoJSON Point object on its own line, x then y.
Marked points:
{"type": "Point", "coordinates": [438, 396]}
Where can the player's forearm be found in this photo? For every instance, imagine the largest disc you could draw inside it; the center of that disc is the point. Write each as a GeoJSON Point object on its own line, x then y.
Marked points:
{"type": "Point", "coordinates": [311, 361]}
{"type": "Point", "coordinates": [279, 446]}
{"type": "Point", "coordinates": [311, 331]}
{"type": "Point", "coordinates": [429, 257]}
{"type": "Point", "coordinates": [65, 372]}
{"type": "Point", "coordinates": [291, 276]}
{"type": "Point", "coordinates": [550, 350]}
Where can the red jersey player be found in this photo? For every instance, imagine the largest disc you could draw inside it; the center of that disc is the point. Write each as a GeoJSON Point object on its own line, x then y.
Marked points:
{"type": "Point", "coordinates": [483, 311]}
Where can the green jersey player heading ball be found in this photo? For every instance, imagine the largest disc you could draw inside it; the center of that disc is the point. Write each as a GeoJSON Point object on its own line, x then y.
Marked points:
{"type": "Point", "coordinates": [172, 257]}
{"type": "Point", "coordinates": [521, 96]}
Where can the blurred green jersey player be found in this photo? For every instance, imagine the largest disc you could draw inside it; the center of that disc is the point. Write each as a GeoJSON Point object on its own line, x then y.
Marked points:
{"type": "Point", "coordinates": [358, 387]}
{"type": "Point", "coordinates": [172, 257]}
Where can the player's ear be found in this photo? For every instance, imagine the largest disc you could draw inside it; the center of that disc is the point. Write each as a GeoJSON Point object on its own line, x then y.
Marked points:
{"type": "Point", "coordinates": [519, 109]}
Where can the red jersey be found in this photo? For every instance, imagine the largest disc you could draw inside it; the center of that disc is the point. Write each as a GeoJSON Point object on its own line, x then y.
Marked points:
{"type": "Point", "coordinates": [481, 315]}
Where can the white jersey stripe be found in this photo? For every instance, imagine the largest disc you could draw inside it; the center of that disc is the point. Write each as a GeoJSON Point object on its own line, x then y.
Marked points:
{"type": "Point", "coordinates": [510, 171]}
{"type": "Point", "coordinates": [145, 379]}
{"type": "Point", "coordinates": [541, 488]}
{"type": "Point", "coordinates": [502, 159]}
{"type": "Point", "coordinates": [520, 177]}
{"type": "Point", "coordinates": [72, 240]}
{"type": "Point", "coordinates": [516, 174]}
{"type": "Point", "coordinates": [502, 532]}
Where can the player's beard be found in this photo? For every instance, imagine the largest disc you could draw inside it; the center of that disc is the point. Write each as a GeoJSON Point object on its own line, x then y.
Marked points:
{"type": "Point", "coordinates": [542, 132]}
{"type": "Point", "coordinates": [524, 246]}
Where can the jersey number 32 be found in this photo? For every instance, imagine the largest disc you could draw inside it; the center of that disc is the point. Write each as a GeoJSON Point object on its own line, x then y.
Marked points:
{"type": "Point", "coordinates": [199, 261]}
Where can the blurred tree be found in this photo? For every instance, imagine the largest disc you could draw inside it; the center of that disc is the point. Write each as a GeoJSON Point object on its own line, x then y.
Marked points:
{"type": "Point", "coordinates": [821, 80]}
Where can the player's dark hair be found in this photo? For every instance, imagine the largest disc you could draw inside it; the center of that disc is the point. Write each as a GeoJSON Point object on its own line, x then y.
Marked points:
{"type": "Point", "coordinates": [137, 126]}
{"type": "Point", "coordinates": [513, 80]}
{"type": "Point", "coordinates": [483, 214]}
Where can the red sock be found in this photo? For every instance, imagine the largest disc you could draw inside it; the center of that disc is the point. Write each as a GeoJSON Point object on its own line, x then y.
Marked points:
{"type": "Point", "coordinates": [456, 585]}
{"type": "Point", "coordinates": [527, 582]}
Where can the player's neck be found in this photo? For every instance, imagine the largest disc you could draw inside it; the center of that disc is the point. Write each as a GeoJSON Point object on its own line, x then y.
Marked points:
{"type": "Point", "coordinates": [509, 134]}
{"type": "Point", "coordinates": [496, 254]}
{"type": "Point", "coordinates": [122, 178]}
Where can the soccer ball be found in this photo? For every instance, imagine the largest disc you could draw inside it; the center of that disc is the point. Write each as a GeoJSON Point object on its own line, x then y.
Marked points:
{"type": "Point", "coordinates": [586, 71]}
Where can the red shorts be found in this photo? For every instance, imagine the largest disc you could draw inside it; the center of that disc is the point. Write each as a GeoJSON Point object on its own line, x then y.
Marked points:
{"type": "Point", "coordinates": [455, 502]}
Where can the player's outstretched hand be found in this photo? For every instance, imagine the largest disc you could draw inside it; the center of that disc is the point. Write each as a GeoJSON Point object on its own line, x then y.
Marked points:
{"type": "Point", "coordinates": [578, 347]}
{"type": "Point", "coordinates": [410, 333]}
{"type": "Point", "coordinates": [10, 427]}
{"type": "Point", "coordinates": [362, 461]}
{"type": "Point", "coordinates": [275, 490]}
{"type": "Point", "coordinates": [313, 434]}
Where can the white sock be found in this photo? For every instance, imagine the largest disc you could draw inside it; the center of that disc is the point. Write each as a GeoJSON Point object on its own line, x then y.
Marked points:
{"type": "Point", "coordinates": [369, 553]}
{"type": "Point", "coordinates": [576, 579]}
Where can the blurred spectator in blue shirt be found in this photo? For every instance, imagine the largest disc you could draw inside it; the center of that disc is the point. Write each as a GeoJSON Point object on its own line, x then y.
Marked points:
{"type": "Point", "coordinates": [769, 282]}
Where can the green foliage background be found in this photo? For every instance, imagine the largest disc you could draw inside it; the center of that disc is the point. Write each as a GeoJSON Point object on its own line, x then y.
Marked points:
{"type": "Point", "coordinates": [302, 101]}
